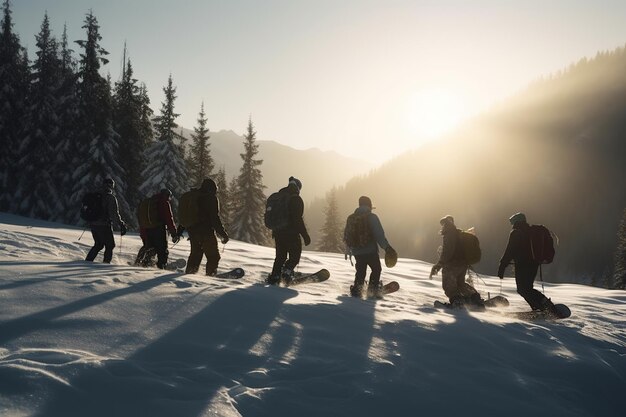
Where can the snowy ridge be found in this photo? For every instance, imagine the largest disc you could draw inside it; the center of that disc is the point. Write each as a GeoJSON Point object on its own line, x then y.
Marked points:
{"type": "Point", "coordinates": [81, 339]}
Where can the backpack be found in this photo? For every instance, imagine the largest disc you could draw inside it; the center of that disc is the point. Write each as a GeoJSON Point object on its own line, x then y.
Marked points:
{"type": "Point", "coordinates": [277, 211]}
{"type": "Point", "coordinates": [470, 246]}
{"type": "Point", "coordinates": [92, 209]}
{"type": "Point", "coordinates": [541, 244]}
{"type": "Point", "coordinates": [189, 208]}
{"type": "Point", "coordinates": [357, 232]}
{"type": "Point", "coordinates": [148, 213]}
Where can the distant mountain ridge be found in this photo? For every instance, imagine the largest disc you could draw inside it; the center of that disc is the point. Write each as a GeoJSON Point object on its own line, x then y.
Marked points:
{"type": "Point", "coordinates": [556, 151]}
{"type": "Point", "coordinates": [318, 170]}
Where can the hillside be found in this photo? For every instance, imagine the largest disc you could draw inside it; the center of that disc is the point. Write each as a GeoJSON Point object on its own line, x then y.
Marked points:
{"type": "Point", "coordinates": [90, 339]}
{"type": "Point", "coordinates": [555, 151]}
{"type": "Point", "coordinates": [318, 170]}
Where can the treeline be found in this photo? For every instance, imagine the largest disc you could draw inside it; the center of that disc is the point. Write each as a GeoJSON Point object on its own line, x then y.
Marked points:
{"type": "Point", "coordinates": [64, 128]}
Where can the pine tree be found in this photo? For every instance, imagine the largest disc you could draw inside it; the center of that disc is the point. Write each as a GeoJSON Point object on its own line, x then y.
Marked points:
{"type": "Point", "coordinates": [332, 231]}
{"type": "Point", "coordinates": [37, 194]}
{"type": "Point", "coordinates": [249, 201]}
{"type": "Point", "coordinates": [14, 80]}
{"type": "Point", "coordinates": [66, 148]}
{"type": "Point", "coordinates": [165, 163]}
{"type": "Point", "coordinates": [97, 141]}
{"type": "Point", "coordinates": [201, 162]}
{"type": "Point", "coordinates": [223, 196]}
{"type": "Point", "coordinates": [619, 274]}
{"type": "Point", "coordinates": [127, 116]}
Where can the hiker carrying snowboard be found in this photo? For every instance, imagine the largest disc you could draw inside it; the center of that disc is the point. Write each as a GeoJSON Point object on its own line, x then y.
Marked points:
{"type": "Point", "coordinates": [102, 226]}
{"type": "Point", "coordinates": [155, 219]}
{"type": "Point", "coordinates": [518, 249]}
{"type": "Point", "coordinates": [199, 212]}
{"type": "Point", "coordinates": [363, 235]}
{"type": "Point", "coordinates": [454, 265]}
{"type": "Point", "coordinates": [283, 215]}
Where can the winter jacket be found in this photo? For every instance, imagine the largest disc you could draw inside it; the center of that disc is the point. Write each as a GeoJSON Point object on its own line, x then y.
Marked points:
{"type": "Point", "coordinates": [209, 211]}
{"type": "Point", "coordinates": [518, 247]}
{"type": "Point", "coordinates": [111, 213]}
{"type": "Point", "coordinates": [451, 251]}
{"type": "Point", "coordinates": [378, 234]}
{"type": "Point", "coordinates": [295, 225]}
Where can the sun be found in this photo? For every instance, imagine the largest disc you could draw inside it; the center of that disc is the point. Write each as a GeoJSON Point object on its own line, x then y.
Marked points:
{"type": "Point", "coordinates": [433, 112]}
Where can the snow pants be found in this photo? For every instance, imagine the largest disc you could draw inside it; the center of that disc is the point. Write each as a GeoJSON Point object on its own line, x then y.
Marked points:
{"type": "Point", "coordinates": [155, 243]}
{"type": "Point", "coordinates": [203, 242]}
{"type": "Point", "coordinates": [288, 252]}
{"type": "Point", "coordinates": [102, 238]}
{"type": "Point", "coordinates": [525, 275]}
{"type": "Point", "coordinates": [362, 262]}
{"type": "Point", "coordinates": [453, 283]}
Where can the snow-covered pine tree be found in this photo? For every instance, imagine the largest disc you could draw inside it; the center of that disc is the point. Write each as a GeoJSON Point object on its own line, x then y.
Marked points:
{"type": "Point", "coordinates": [249, 200]}
{"type": "Point", "coordinates": [165, 166]}
{"type": "Point", "coordinates": [619, 273]}
{"type": "Point", "coordinates": [65, 151]}
{"type": "Point", "coordinates": [14, 79]}
{"type": "Point", "coordinates": [332, 231]}
{"type": "Point", "coordinates": [37, 194]}
{"type": "Point", "coordinates": [97, 141]}
{"type": "Point", "coordinates": [201, 162]}
{"type": "Point", "coordinates": [223, 196]}
{"type": "Point", "coordinates": [127, 121]}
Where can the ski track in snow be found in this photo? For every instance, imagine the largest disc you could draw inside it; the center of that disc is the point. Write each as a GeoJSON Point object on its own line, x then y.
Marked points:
{"type": "Point", "coordinates": [88, 339]}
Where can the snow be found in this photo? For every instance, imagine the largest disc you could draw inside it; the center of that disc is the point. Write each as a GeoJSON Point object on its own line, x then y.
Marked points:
{"type": "Point", "coordinates": [90, 339]}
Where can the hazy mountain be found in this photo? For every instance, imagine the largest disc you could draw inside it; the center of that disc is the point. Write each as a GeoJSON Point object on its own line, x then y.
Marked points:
{"type": "Point", "coordinates": [556, 151]}
{"type": "Point", "coordinates": [318, 170]}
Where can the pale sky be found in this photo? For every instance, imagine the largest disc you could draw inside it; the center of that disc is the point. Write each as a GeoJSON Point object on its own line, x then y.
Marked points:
{"type": "Point", "coordinates": [366, 78]}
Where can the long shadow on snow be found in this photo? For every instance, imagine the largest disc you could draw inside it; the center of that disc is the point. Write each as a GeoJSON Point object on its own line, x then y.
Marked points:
{"type": "Point", "coordinates": [179, 373]}
{"type": "Point", "coordinates": [457, 367]}
{"type": "Point", "coordinates": [326, 373]}
{"type": "Point", "coordinates": [12, 329]}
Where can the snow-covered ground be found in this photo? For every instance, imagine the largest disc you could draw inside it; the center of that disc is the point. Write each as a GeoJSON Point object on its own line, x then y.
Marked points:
{"type": "Point", "coordinates": [89, 339]}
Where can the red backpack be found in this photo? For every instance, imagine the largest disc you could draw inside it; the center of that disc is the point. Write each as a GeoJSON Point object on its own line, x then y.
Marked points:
{"type": "Point", "coordinates": [541, 244]}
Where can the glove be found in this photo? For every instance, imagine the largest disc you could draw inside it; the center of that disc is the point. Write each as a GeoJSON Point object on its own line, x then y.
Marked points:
{"type": "Point", "coordinates": [307, 240]}
{"type": "Point", "coordinates": [435, 269]}
{"type": "Point", "coordinates": [225, 240]}
{"type": "Point", "coordinates": [123, 228]}
{"type": "Point", "coordinates": [180, 231]}
{"type": "Point", "coordinates": [501, 273]}
{"type": "Point", "coordinates": [175, 238]}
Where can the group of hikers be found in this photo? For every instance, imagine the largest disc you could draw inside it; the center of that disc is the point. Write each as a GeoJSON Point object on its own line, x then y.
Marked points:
{"type": "Point", "coordinates": [199, 216]}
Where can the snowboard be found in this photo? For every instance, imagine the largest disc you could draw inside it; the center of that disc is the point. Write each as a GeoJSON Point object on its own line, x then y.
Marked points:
{"type": "Point", "coordinates": [561, 311]}
{"type": "Point", "coordinates": [497, 301]}
{"type": "Point", "coordinates": [389, 288]}
{"type": "Point", "coordinates": [469, 307]}
{"type": "Point", "coordinates": [319, 276]}
{"type": "Point", "coordinates": [176, 265]}
{"type": "Point", "coordinates": [232, 274]}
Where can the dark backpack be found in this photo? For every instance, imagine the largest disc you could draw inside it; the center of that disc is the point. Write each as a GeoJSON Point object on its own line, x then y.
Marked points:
{"type": "Point", "coordinates": [189, 208]}
{"type": "Point", "coordinates": [541, 244]}
{"type": "Point", "coordinates": [357, 232]}
{"type": "Point", "coordinates": [469, 244]}
{"type": "Point", "coordinates": [92, 209]}
{"type": "Point", "coordinates": [277, 211]}
{"type": "Point", "coordinates": [148, 213]}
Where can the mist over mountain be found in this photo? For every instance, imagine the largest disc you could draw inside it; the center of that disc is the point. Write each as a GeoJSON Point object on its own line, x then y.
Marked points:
{"type": "Point", "coordinates": [318, 170]}
{"type": "Point", "coordinates": [556, 152]}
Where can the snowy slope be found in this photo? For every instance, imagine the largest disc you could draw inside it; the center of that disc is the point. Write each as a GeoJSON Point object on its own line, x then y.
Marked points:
{"type": "Point", "coordinates": [81, 339]}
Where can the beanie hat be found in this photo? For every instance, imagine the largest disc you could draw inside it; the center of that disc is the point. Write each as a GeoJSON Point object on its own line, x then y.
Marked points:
{"type": "Point", "coordinates": [365, 201]}
{"type": "Point", "coordinates": [208, 185]}
{"type": "Point", "coordinates": [517, 217]}
{"type": "Point", "coordinates": [296, 182]}
{"type": "Point", "coordinates": [446, 219]}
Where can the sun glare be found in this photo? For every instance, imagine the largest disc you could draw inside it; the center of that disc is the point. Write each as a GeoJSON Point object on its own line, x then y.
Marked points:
{"type": "Point", "coordinates": [432, 113]}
